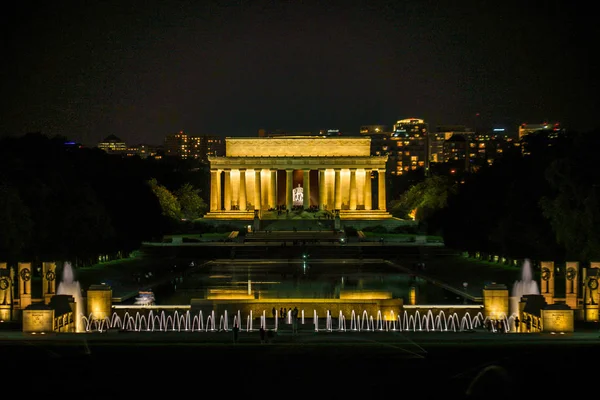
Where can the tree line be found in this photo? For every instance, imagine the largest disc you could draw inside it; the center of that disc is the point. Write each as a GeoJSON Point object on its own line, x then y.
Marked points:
{"type": "Point", "coordinates": [539, 201]}
{"type": "Point", "coordinates": [59, 201]}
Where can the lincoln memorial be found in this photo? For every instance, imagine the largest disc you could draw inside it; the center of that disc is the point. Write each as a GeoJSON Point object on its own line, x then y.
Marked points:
{"type": "Point", "coordinates": [297, 172]}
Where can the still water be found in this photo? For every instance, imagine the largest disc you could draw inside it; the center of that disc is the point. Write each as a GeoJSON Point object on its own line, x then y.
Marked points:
{"type": "Point", "coordinates": [298, 279]}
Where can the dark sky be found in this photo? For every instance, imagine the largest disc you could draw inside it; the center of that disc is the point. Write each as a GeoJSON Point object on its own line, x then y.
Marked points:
{"type": "Point", "coordinates": [141, 70]}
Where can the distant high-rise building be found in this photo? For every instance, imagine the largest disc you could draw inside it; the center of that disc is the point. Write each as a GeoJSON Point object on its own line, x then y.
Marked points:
{"type": "Point", "coordinates": [550, 131]}
{"type": "Point", "coordinates": [145, 151]}
{"type": "Point", "coordinates": [410, 146]}
{"type": "Point", "coordinates": [440, 136]}
{"type": "Point", "coordinates": [456, 153]}
{"type": "Point", "coordinates": [525, 129]}
{"type": "Point", "coordinates": [200, 147]}
{"type": "Point", "coordinates": [112, 144]}
{"type": "Point", "coordinates": [380, 138]}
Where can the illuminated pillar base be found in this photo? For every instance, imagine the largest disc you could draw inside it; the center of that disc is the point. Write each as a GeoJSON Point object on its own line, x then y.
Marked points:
{"type": "Point", "coordinates": [495, 301]}
{"type": "Point", "coordinates": [99, 302]}
{"type": "Point", "coordinates": [5, 313]}
{"type": "Point", "coordinates": [591, 314]}
{"type": "Point", "coordinates": [38, 319]}
{"type": "Point", "coordinates": [558, 318]}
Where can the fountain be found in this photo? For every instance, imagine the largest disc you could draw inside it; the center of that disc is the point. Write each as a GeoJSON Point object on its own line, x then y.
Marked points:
{"type": "Point", "coordinates": [154, 320]}
{"type": "Point", "coordinates": [68, 285]}
{"type": "Point", "coordinates": [527, 285]}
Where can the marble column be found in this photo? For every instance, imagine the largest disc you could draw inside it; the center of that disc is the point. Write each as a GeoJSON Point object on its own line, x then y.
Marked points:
{"type": "Point", "coordinates": [338, 190]}
{"type": "Point", "coordinates": [257, 197]}
{"type": "Point", "coordinates": [322, 190]}
{"type": "Point", "coordinates": [219, 191]}
{"type": "Point", "coordinates": [214, 191]}
{"type": "Point", "coordinates": [289, 183]}
{"type": "Point", "coordinates": [306, 188]}
{"type": "Point", "coordinates": [227, 189]}
{"type": "Point", "coordinates": [273, 189]}
{"type": "Point", "coordinates": [368, 191]}
{"type": "Point", "coordinates": [242, 191]}
{"type": "Point", "coordinates": [381, 183]}
{"type": "Point", "coordinates": [353, 194]}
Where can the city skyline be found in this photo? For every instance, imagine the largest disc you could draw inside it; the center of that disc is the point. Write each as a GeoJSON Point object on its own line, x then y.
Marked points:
{"type": "Point", "coordinates": [232, 68]}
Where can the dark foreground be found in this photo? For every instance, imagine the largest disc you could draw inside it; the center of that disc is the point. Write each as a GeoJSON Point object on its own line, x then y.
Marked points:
{"type": "Point", "coordinates": [323, 365]}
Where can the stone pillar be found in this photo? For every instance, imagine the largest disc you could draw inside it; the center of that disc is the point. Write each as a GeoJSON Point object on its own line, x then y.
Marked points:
{"type": "Point", "coordinates": [368, 191]}
{"type": "Point", "coordinates": [322, 190]}
{"type": "Point", "coordinates": [257, 195]}
{"type": "Point", "coordinates": [219, 191]}
{"type": "Point", "coordinates": [24, 271]}
{"type": "Point", "coordinates": [289, 183]}
{"type": "Point", "coordinates": [591, 296]}
{"type": "Point", "coordinates": [227, 189]}
{"type": "Point", "coordinates": [572, 284]}
{"type": "Point", "coordinates": [495, 301]}
{"type": "Point", "coordinates": [306, 189]}
{"type": "Point", "coordinates": [273, 189]}
{"type": "Point", "coordinates": [48, 281]}
{"type": "Point", "coordinates": [353, 194]}
{"type": "Point", "coordinates": [99, 302]}
{"type": "Point", "coordinates": [547, 286]}
{"type": "Point", "coordinates": [382, 198]}
{"type": "Point", "coordinates": [214, 190]}
{"type": "Point", "coordinates": [338, 190]}
{"type": "Point", "coordinates": [6, 290]}
{"type": "Point", "coordinates": [242, 191]}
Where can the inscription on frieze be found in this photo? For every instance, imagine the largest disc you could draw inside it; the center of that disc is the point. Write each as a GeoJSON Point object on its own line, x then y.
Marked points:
{"type": "Point", "coordinates": [37, 318]}
{"type": "Point", "coordinates": [298, 147]}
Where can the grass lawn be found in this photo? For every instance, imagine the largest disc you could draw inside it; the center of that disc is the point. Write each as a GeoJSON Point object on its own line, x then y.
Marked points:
{"type": "Point", "coordinates": [400, 237]}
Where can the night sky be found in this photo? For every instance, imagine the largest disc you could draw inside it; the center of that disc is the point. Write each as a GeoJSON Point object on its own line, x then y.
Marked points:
{"type": "Point", "coordinates": [142, 70]}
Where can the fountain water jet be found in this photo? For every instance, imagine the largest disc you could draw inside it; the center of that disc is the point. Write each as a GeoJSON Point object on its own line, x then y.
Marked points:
{"type": "Point", "coordinates": [527, 285]}
{"type": "Point", "coordinates": [68, 285]}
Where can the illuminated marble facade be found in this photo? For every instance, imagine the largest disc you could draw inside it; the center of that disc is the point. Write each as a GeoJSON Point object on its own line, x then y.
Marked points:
{"type": "Point", "coordinates": [259, 174]}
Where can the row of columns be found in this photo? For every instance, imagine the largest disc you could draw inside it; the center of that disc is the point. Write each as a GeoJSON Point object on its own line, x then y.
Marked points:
{"type": "Point", "coordinates": [216, 195]}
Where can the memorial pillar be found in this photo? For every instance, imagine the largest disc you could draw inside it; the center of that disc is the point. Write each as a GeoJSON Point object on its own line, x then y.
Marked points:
{"type": "Point", "coordinates": [273, 189]}
{"type": "Point", "coordinates": [257, 196]}
{"type": "Point", "coordinates": [24, 271]}
{"type": "Point", "coordinates": [337, 190]}
{"type": "Point", "coordinates": [368, 191]}
{"type": "Point", "coordinates": [382, 203]}
{"type": "Point", "coordinates": [227, 190]}
{"type": "Point", "coordinates": [289, 182]}
{"type": "Point", "coordinates": [214, 191]}
{"type": "Point", "coordinates": [572, 284]}
{"type": "Point", "coordinates": [353, 194]}
{"type": "Point", "coordinates": [6, 292]}
{"type": "Point", "coordinates": [306, 189]}
{"type": "Point", "coordinates": [242, 191]}
{"type": "Point", "coordinates": [547, 284]}
{"type": "Point", "coordinates": [591, 295]}
{"type": "Point", "coordinates": [322, 190]}
{"type": "Point", "coordinates": [48, 281]}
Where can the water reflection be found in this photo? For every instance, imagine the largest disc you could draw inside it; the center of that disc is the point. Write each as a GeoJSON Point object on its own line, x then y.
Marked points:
{"type": "Point", "coordinates": [299, 279]}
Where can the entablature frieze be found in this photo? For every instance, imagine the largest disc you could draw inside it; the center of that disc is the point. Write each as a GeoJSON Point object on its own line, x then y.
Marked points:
{"type": "Point", "coordinates": [374, 162]}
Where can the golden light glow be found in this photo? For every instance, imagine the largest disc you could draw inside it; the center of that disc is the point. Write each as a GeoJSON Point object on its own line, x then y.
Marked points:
{"type": "Point", "coordinates": [364, 295]}
{"type": "Point", "coordinates": [413, 214]}
{"type": "Point", "coordinates": [412, 297]}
